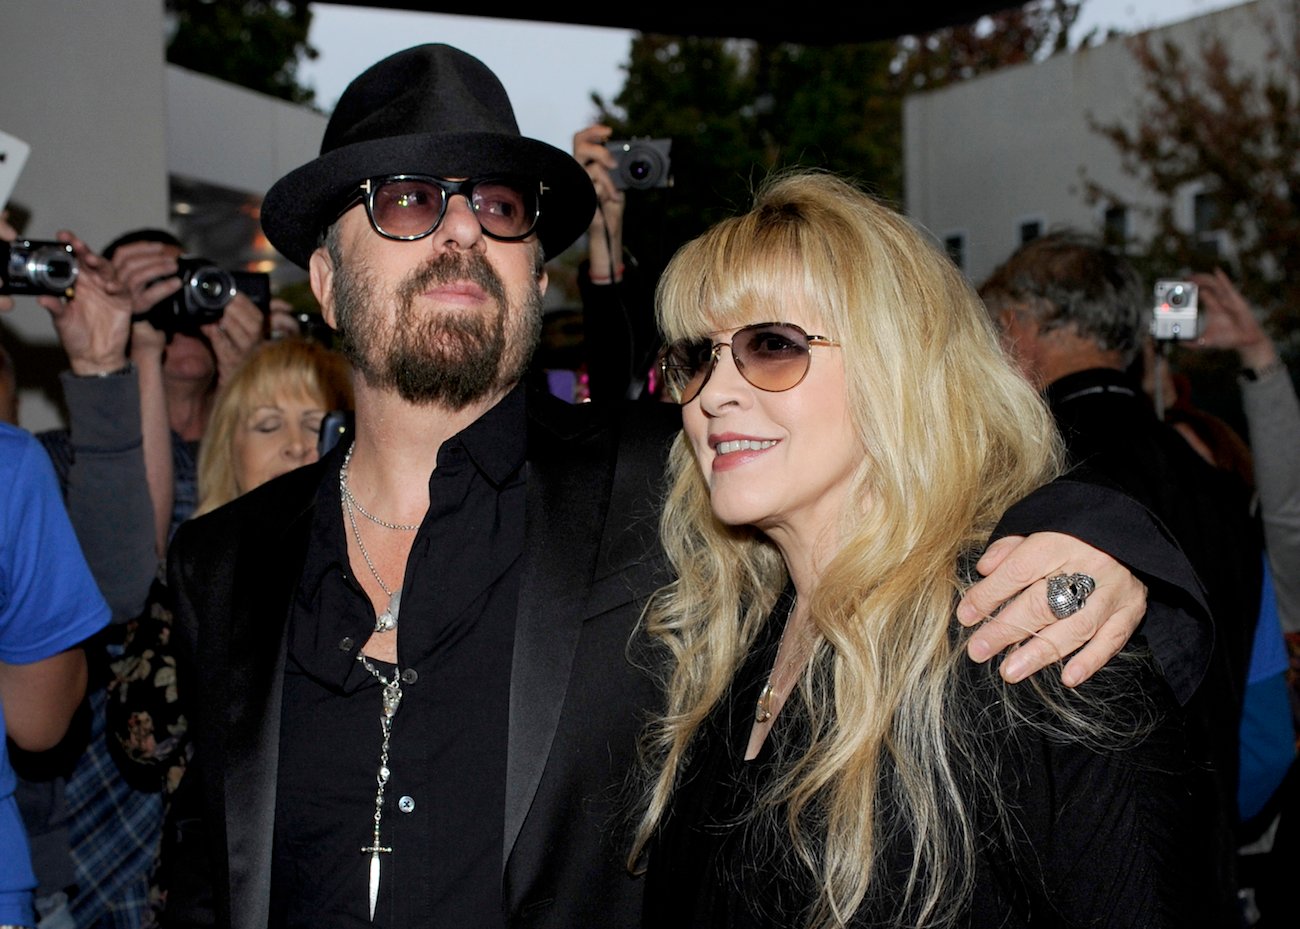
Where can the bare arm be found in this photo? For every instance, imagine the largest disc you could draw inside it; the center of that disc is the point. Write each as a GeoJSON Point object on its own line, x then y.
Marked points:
{"type": "Point", "coordinates": [605, 234]}
{"type": "Point", "coordinates": [40, 698]}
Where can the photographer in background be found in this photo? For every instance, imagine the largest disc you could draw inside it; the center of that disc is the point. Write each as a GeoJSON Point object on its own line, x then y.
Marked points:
{"type": "Point", "coordinates": [1074, 315]}
{"type": "Point", "coordinates": [190, 366]}
{"type": "Point", "coordinates": [617, 301]}
{"type": "Point", "coordinates": [1273, 420]}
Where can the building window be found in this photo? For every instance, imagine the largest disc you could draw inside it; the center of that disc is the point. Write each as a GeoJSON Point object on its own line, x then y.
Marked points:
{"type": "Point", "coordinates": [1114, 226]}
{"type": "Point", "coordinates": [955, 245]}
{"type": "Point", "coordinates": [1028, 229]}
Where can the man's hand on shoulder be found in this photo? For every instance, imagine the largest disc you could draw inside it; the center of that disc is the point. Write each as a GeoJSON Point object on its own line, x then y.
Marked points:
{"type": "Point", "coordinates": [1011, 602]}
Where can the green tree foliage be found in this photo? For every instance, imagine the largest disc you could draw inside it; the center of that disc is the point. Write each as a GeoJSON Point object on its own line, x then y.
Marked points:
{"type": "Point", "coordinates": [739, 110]}
{"type": "Point", "coordinates": [1009, 37]}
{"type": "Point", "coordinates": [1234, 128]}
{"type": "Point", "coordinates": [255, 43]}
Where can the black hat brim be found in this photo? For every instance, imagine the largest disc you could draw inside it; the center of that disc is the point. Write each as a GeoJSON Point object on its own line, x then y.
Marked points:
{"type": "Point", "coordinates": [298, 208]}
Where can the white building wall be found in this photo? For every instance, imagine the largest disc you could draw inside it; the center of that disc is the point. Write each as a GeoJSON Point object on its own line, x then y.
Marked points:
{"type": "Point", "coordinates": [984, 154]}
{"type": "Point", "coordinates": [85, 83]}
{"type": "Point", "coordinates": [233, 137]}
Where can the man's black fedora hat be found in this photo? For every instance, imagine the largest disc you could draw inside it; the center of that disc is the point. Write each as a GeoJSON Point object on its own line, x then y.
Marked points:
{"type": "Point", "coordinates": [431, 109]}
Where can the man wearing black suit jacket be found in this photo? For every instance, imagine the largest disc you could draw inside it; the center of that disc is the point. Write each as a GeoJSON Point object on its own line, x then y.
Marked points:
{"type": "Point", "coordinates": [471, 771]}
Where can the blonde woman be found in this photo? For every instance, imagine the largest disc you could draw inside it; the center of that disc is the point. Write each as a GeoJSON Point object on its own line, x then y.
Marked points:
{"type": "Point", "coordinates": [829, 756]}
{"type": "Point", "coordinates": [266, 419]}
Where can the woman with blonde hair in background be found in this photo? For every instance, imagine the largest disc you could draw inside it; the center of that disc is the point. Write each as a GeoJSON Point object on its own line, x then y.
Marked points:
{"type": "Point", "coordinates": [266, 420]}
{"type": "Point", "coordinates": [828, 755]}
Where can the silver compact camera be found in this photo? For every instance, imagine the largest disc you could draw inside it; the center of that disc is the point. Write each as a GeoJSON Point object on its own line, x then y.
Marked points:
{"type": "Point", "coordinates": [29, 266]}
{"type": "Point", "coordinates": [642, 163]}
{"type": "Point", "coordinates": [1176, 314]}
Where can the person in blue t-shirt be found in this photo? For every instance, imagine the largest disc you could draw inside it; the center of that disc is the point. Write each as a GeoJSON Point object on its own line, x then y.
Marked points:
{"type": "Point", "coordinates": [48, 604]}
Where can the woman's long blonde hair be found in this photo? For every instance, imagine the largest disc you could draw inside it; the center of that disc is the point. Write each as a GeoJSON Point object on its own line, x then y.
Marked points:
{"type": "Point", "coordinates": [294, 367]}
{"type": "Point", "coordinates": [952, 434]}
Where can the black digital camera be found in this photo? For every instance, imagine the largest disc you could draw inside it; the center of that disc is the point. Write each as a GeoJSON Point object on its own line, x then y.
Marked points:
{"type": "Point", "coordinates": [642, 163]}
{"type": "Point", "coordinates": [29, 266]}
{"type": "Point", "coordinates": [206, 290]}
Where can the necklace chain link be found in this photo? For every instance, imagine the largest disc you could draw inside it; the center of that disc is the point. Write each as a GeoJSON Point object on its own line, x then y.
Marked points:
{"type": "Point", "coordinates": [353, 501]}
{"type": "Point", "coordinates": [387, 620]}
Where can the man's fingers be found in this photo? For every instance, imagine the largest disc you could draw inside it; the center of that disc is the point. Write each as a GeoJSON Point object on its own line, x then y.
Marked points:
{"type": "Point", "coordinates": [997, 553]}
{"type": "Point", "coordinates": [1104, 646]}
{"type": "Point", "coordinates": [1012, 567]}
{"type": "Point", "coordinates": [1096, 632]}
{"type": "Point", "coordinates": [242, 321]}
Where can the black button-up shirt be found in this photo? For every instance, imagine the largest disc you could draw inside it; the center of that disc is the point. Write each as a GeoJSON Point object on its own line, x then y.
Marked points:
{"type": "Point", "coordinates": [443, 813]}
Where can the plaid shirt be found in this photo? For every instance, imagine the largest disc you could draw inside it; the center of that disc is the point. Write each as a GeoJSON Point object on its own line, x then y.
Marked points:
{"type": "Point", "coordinates": [115, 833]}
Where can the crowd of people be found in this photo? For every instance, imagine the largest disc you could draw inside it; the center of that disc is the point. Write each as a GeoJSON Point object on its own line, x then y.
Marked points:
{"type": "Point", "coordinates": [906, 606]}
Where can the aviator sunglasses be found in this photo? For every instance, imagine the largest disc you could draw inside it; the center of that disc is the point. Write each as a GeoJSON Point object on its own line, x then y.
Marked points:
{"type": "Point", "coordinates": [411, 206]}
{"type": "Point", "coordinates": [771, 356]}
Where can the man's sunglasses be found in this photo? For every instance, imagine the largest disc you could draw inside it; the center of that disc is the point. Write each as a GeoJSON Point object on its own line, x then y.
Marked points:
{"type": "Point", "coordinates": [771, 356]}
{"type": "Point", "coordinates": [411, 206]}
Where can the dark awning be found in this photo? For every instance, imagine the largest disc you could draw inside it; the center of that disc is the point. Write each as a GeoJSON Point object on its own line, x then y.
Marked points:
{"type": "Point", "coordinates": [808, 22]}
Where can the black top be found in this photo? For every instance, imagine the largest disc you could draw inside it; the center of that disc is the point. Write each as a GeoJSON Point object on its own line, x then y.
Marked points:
{"type": "Point", "coordinates": [1105, 839]}
{"type": "Point", "coordinates": [443, 809]}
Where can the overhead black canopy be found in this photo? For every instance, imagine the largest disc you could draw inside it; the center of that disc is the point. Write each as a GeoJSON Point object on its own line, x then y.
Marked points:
{"type": "Point", "coordinates": [810, 22]}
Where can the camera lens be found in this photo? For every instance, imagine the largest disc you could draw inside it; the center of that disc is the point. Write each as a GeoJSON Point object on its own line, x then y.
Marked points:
{"type": "Point", "coordinates": [210, 288]}
{"type": "Point", "coordinates": [52, 268]}
{"type": "Point", "coordinates": [1177, 296]}
{"type": "Point", "coordinates": [643, 167]}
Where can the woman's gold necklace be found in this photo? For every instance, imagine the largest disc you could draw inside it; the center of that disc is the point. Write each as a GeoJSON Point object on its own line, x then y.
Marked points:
{"type": "Point", "coordinates": [767, 696]}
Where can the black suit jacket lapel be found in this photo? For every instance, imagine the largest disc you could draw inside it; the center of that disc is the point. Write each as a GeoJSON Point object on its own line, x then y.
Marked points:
{"type": "Point", "coordinates": [267, 573]}
{"type": "Point", "coordinates": [569, 479]}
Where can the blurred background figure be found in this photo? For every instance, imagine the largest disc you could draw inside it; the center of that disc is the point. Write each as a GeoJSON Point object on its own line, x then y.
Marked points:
{"type": "Point", "coordinates": [266, 420]}
{"type": "Point", "coordinates": [1075, 315]}
{"type": "Point", "coordinates": [1268, 794]}
{"type": "Point", "coordinates": [195, 360]}
{"type": "Point", "coordinates": [620, 338]}
{"type": "Point", "coordinates": [8, 389]}
{"type": "Point", "coordinates": [48, 605]}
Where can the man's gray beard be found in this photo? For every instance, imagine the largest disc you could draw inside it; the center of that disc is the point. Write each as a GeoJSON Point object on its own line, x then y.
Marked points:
{"type": "Point", "coordinates": [448, 358]}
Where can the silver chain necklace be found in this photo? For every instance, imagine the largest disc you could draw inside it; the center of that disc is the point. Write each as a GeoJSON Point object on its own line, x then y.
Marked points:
{"type": "Point", "coordinates": [387, 620]}
{"type": "Point", "coordinates": [392, 700]}
{"type": "Point", "coordinates": [353, 501]}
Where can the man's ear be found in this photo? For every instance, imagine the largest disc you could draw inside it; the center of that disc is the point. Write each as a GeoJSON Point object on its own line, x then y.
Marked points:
{"type": "Point", "coordinates": [542, 280]}
{"type": "Point", "coordinates": [320, 268]}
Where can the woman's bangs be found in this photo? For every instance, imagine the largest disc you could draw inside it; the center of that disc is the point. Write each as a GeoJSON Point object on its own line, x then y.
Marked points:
{"type": "Point", "coordinates": [729, 281]}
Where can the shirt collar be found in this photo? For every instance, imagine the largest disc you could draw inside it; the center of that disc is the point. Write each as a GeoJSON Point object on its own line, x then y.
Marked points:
{"type": "Point", "coordinates": [496, 443]}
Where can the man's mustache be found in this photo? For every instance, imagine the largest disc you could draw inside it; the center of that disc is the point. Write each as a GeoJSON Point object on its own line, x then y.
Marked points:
{"type": "Point", "coordinates": [451, 267]}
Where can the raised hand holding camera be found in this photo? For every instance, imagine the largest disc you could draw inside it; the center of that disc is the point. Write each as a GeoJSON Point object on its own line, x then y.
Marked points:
{"type": "Point", "coordinates": [94, 322]}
